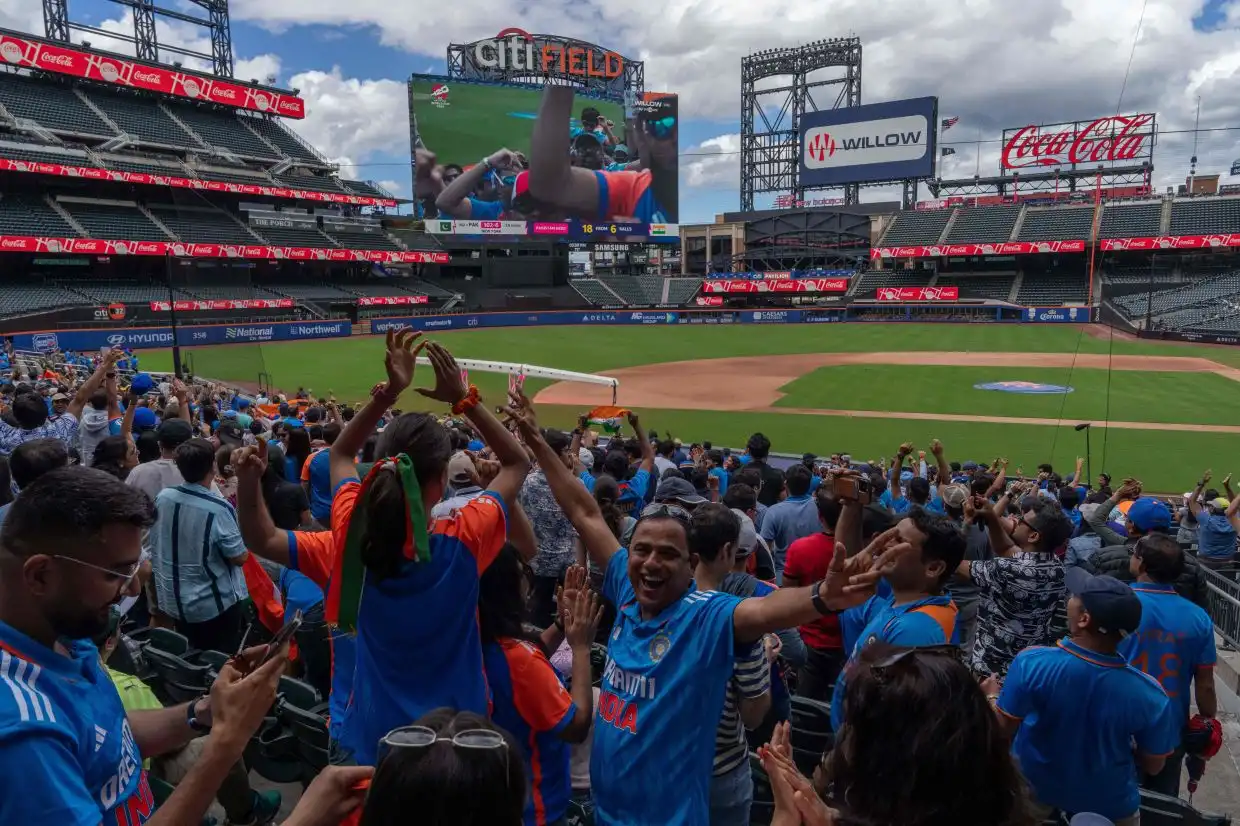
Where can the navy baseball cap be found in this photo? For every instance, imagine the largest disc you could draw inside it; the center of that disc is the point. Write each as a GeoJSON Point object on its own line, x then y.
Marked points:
{"type": "Point", "coordinates": [1149, 514]}
{"type": "Point", "coordinates": [1112, 604]}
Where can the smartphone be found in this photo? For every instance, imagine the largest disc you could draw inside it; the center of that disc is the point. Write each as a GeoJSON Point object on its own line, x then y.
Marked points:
{"type": "Point", "coordinates": [284, 635]}
{"type": "Point", "coordinates": [852, 487]}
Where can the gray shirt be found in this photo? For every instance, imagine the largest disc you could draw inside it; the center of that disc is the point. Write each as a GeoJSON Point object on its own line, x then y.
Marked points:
{"type": "Point", "coordinates": [92, 431]}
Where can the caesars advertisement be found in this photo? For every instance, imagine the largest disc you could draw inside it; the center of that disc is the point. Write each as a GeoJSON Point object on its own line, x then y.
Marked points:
{"type": "Point", "coordinates": [595, 160]}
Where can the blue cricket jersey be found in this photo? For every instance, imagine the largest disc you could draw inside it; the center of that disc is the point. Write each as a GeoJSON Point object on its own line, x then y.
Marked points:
{"type": "Point", "coordinates": [1175, 638]}
{"type": "Point", "coordinates": [662, 695]}
{"type": "Point", "coordinates": [67, 754]}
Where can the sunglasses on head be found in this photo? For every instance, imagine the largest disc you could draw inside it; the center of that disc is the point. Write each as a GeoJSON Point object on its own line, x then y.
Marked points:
{"type": "Point", "coordinates": [879, 669]}
{"type": "Point", "coordinates": [661, 128]}
{"type": "Point", "coordinates": [660, 511]}
{"type": "Point", "coordinates": [421, 737]}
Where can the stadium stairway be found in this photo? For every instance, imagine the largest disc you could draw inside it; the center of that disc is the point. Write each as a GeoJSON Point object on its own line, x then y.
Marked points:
{"type": "Point", "coordinates": [64, 213]}
{"type": "Point", "coordinates": [150, 216]}
{"type": "Point", "coordinates": [99, 113]}
{"type": "Point", "coordinates": [1020, 222]}
{"type": "Point", "coordinates": [947, 228]}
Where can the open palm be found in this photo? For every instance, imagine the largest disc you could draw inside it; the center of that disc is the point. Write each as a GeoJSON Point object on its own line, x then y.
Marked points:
{"type": "Point", "coordinates": [401, 358]}
{"type": "Point", "coordinates": [449, 386]}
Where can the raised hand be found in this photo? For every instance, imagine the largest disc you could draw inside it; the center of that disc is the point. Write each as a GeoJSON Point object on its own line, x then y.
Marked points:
{"type": "Point", "coordinates": [449, 387]}
{"type": "Point", "coordinates": [250, 462]}
{"type": "Point", "coordinates": [400, 359]}
{"type": "Point", "coordinates": [936, 447]}
{"type": "Point", "coordinates": [635, 423]}
{"type": "Point", "coordinates": [582, 619]}
{"type": "Point", "coordinates": [521, 410]}
{"type": "Point", "coordinates": [335, 793]}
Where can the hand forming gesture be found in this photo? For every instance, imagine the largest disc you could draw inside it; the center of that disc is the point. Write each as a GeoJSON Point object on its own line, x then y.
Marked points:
{"type": "Point", "coordinates": [400, 359]}
{"type": "Point", "coordinates": [449, 386]}
{"type": "Point", "coordinates": [521, 410]}
{"type": "Point", "coordinates": [582, 616]}
{"type": "Point", "coordinates": [796, 801]}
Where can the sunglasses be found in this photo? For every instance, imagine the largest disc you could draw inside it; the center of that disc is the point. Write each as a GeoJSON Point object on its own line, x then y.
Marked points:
{"type": "Point", "coordinates": [660, 511]}
{"type": "Point", "coordinates": [879, 669]}
{"type": "Point", "coordinates": [421, 737]}
{"type": "Point", "coordinates": [661, 128]}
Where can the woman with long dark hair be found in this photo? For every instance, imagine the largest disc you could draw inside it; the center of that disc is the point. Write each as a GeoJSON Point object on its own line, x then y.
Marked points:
{"type": "Point", "coordinates": [296, 453]}
{"type": "Point", "coordinates": [286, 501]}
{"type": "Point", "coordinates": [405, 581]}
{"type": "Point", "coordinates": [920, 745]}
{"type": "Point", "coordinates": [527, 697]}
{"type": "Point", "coordinates": [448, 769]}
{"type": "Point", "coordinates": [116, 456]}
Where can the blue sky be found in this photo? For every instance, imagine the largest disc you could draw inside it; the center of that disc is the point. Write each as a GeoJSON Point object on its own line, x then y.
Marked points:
{"type": "Point", "coordinates": [994, 63]}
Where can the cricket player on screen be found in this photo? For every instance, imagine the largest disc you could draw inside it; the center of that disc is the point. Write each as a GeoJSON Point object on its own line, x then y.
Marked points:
{"type": "Point", "coordinates": [645, 196]}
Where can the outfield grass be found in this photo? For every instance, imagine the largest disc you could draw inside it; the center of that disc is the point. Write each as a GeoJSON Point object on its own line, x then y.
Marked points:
{"type": "Point", "coordinates": [481, 118]}
{"type": "Point", "coordinates": [1166, 461]}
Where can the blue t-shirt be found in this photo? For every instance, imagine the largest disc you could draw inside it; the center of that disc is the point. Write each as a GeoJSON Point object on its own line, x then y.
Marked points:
{"type": "Point", "coordinates": [67, 754]}
{"type": "Point", "coordinates": [485, 210]}
{"type": "Point", "coordinates": [1175, 638]}
{"type": "Point", "coordinates": [662, 695]}
{"type": "Point", "coordinates": [1216, 538]}
{"type": "Point", "coordinates": [321, 486]}
{"type": "Point", "coordinates": [1080, 714]}
{"type": "Point", "coordinates": [929, 621]}
{"type": "Point", "coordinates": [300, 592]}
{"type": "Point", "coordinates": [632, 491]}
{"type": "Point", "coordinates": [722, 475]}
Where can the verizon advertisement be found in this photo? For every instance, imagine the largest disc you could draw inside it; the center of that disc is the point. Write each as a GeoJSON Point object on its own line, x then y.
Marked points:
{"type": "Point", "coordinates": [1006, 248]}
{"type": "Point", "coordinates": [876, 142]}
{"type": "Point", "coordinates": [95, 246]}
{"type": "Point", "coordinates": [789, 285]}
{"type": "Point", "coordinates": [392, 300]}
{"type": "Point", "coordinates": [917, 293]}
{"type": "Point", "coordinates": [35, 53]}
{"type": "Point", "coordinates": [223, 304]}
{"type": "Point", "coordinates": [1122, 140]}
{"type": "Point", "coordinates": [91, 173]}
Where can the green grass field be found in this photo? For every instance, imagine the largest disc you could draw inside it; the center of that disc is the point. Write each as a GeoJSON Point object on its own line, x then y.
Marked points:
{"type": "Point", "coordinates": [1166, 461]}
{"type": "Point", "coordinates": [480, 118]}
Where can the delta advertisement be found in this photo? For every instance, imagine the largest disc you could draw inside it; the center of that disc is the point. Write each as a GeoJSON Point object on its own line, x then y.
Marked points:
{"type": "Point", "coordinates": [635, 147]}
{"type": "Point", "coordinates": [35, 53]}
{"type": "Point", "coordinates": [875, 142]}
{"type": "Point", "coordinates": [141, 338]}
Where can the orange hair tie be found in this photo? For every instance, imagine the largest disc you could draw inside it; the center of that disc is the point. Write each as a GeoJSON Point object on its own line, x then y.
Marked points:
{"type": "Point", "coordinates": [468, 403]}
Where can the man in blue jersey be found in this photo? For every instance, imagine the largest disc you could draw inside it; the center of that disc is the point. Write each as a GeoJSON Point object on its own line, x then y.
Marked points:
{"type": "Point", "coordinates": [69, 754]}
{"type": "Point", "coordinates": [458, 198]}
{"type": "Point", "coordinates": [671, 652]}
{"type": "Point", "coordinates": [1174, 644]}
{"type": "Point", "coordinates": [1086, 723]}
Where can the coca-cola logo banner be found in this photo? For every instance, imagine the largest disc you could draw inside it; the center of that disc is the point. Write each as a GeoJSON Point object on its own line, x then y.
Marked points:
{"type": "Point", "coordinates": [224, 304]}
{"type": "Point", "coordinates": [791, 285]}
{"type": "Point", "coordinates": [917, 293]}
{"type": "Point", "coordinates": [96, 246]}
{"type": "Point", "coordinates": [392, 300]}
{"type": "Point", "coordinates": [1122, 140]}
{"type": "Point", "coordinates": [34, 53]}
{"type": "Point", "coordinates": [966, 250]}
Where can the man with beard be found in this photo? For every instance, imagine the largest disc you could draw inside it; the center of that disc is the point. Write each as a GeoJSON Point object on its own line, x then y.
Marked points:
{"type": "Point", "coordinates": [70, 550]}
{"type": "Point", "coordinates": [647, 196]}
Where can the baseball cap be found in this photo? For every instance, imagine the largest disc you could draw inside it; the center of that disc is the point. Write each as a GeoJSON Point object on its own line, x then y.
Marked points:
{"type": "Point", "coordinates": [59, 397]}
{"type": "Point", "coordinates": [1111, 603]}
{"type": "Point", "coordinates": [1148, 514]}
{"type": "Point", "coordinates": [969, 466]}
{"type": "Point", "coordinates": [1221, 503]}
{"type": "Point", "coordinates": [954, 496]}
{"type": "Point", "coordinates": [174, 431]}
{"type": "Point", "coordinates": [142, 383]}
{"type": "Point", "coordinates": [749, 535]}
{"type": "Point", "coordinates": [461, 469]}
{"type": "Point", "coordinates": [586, 458]}
{"type": "Point", "coordinates": [230, 434]}
{"type": "Point", "coordinates": [144, 418]}
{"type": "Point", "coordinates": [679, 490]}
{"type": "Point", "coordinates": [243, 403]}
{"type": "Point", "coordinates": [475, 446]}
{"type": "Point", "coordinates": [230, 414]}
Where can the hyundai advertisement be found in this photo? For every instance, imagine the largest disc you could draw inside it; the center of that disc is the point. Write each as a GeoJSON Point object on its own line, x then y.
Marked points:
{"type": "Point", "coordinates": [876, 142]}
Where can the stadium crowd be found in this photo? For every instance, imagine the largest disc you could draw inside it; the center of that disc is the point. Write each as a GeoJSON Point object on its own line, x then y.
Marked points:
{"type": "Point", "coordinates": [893, 642]}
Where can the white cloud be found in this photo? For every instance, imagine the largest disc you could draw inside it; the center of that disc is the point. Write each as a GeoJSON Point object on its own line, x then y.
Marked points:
{"type": "Point", "coordinates": [394, 187]}
{"type": "Point", "coordinates": [351, 120]}
{"type": "Point", "coordinates": [713, 164]}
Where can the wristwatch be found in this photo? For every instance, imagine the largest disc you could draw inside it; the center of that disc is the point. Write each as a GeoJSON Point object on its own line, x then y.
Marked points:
{"type": "Point", "coordinates": [820, 606]}
{"type": "Point", "coordinates": [191, 717]}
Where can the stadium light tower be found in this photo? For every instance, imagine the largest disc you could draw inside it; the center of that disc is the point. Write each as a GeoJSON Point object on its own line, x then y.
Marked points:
{"type": "Point", "coordinates": [58, 26]}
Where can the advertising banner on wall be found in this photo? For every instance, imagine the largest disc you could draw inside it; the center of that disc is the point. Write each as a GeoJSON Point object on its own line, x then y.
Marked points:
{"type": "Point", "coordinates": [138, 338]}
{"type": "Point", "coordinates": [464, 121]}
{"type": "Point", "coordinates": [36, 53]}
{"type": "Point", "coordinates": [874, 142]}
{"type": "Point", "coordinates": [96, 246]}
{"type": "Point", "coordinates": [224, 304]}
{"type": "Point", "coordinates": [1057, 315]}
{"type": "Point", "coordinates": [1121, 140]}
{"type": "Point", "coordinates": [789, 285]}
{"type": "Point", "coordinates": [1006, 248]}
{"type": "Point", "coordinates": [392, 300]}
{"type": "Point", "coordinates": [917, 293]}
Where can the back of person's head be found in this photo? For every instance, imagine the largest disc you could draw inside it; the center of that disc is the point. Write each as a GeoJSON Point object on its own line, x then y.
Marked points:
{"type": "Point", "coordinates": [1160, 557]}
{"type": "Point", "coordinates": [829, 507]}
{"type": "Point", "coordinates": [298, 446]}
{"type": "Point", "coordinates": [747, 476]}
{"type": "Point", "coordinates": [112, 456]}
{"type": "Point", "coordinates": [447, 785]}
{"type": "Point", "coordinates": [501, 600]}
{"type": "Point", "coordinates": [32, 459]}
{"type": "Point", "coordinates": [425, 441]}
{"type": "Point", "coordinates": [741, 496]}
{"type": "Point", "coordinates": [918, 490]}
{"type": "Point", "coordinates": [1052, 524]}
{"type": "Point", "coordinates": [715, 456]}
{"type": "Point", "coordinates": [99, 400]}
{"type": "Point", "coordinates": [616, 465]}
{"type": "Point", "coordinates": [1069, 498]}
{"type": "Point", "coordinates": [195, 460]}
{"type": "Point", "coordinates": [672, 473]}
{"type": "Point", "coordinates": [1046, 468]}
{"type": "Point", "coordinates": [558, 440]}
{"type": "Point", "coordinates": [30, 411]}
{"type": "Point", "coordinates": [666, 448]}
{"type": "Point", "coordinates": [711, 528]}
{"type": "Point", "coordinates": [798, 479]}
{"type": "Point", "coordinates": [919, 715]}
{"type": "Point", "coordinates": [607, 494]}
{"type": "Point", "coordinates": [223, 462]}
{"type": "Point", "coordinates": [759, 446]}
{"type": "Point", "coordinates": [148, 446]}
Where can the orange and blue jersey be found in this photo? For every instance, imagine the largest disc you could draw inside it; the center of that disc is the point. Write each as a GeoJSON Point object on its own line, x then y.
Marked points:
{"type": "Point", "coordinates": [531, 704]}
{"type": "Point", "coordinates": [1175, 640]}
{"type": "Point", "coordinates": [313, 554]}
{"type": "Point", "coordinates": [1081, 712]}
{"type": "Point", "coordinates": [628, 195]}
{"type": "Point", "coordinates": [317, 474]}
{"type": "Point", "coordinates": [928, 621]}
{"type": "Point", "coordinates": [67, 753]}
{"type": "Point", "coordinates": [417, 644]}
{"type": "Point", "coordinates": [663, 688]}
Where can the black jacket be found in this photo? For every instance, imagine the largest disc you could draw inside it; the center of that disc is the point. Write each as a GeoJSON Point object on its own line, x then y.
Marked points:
{"type": "Point", "coordinates": [1113, 561]}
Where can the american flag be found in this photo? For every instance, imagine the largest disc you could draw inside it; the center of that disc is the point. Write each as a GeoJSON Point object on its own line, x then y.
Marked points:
{"type": "Point", "coordinates": [948, 123]}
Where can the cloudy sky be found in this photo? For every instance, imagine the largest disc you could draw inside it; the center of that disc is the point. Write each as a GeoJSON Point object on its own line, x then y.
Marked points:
{"type": "Point", "coordinates": [993, 63]}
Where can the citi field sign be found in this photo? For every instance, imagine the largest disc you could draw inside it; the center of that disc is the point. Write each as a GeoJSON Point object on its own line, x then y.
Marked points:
{"type": "Point", "coordinates": [516, 51]}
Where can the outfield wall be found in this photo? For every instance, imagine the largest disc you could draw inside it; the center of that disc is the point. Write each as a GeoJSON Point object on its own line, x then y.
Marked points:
{"type": "Point", "coordinates": [138, 338]}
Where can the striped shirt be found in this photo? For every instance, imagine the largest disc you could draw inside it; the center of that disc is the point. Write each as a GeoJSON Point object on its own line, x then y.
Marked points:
{"type": "Point", "coordinates": [194, 537]}
{"type": "Point", "coordinates": [751, 678]}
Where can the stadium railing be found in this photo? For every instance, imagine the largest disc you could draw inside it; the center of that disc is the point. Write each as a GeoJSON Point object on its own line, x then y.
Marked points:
{"type": "Point", "coordinates": [1224, 603]}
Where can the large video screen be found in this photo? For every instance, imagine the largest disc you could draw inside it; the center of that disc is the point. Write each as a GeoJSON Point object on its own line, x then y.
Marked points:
{"type": "Point", "coordinates": [601, 161]}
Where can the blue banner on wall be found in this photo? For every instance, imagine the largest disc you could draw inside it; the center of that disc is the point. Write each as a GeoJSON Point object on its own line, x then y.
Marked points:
{"type": "Point", "coordinates": [139, 338]}
{"type": "Point", "coordinates": [1057, 315]}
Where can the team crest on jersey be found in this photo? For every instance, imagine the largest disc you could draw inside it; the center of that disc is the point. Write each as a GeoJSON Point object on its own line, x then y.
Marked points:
{"type": "Point", "coordinates": [659, 646]}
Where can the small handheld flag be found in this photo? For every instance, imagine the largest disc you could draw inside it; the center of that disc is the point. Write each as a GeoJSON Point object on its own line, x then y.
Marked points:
{"type": "Point", "coordinates": [608, 418]}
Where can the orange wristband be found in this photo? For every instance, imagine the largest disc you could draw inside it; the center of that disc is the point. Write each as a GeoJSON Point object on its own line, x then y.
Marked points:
{"type": "Point", "coordinates": [468, 403]}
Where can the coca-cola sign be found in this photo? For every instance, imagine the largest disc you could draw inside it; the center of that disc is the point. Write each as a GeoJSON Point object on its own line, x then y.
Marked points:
{"type": "Point", "coordinates": [391, 300]}
{"type": "Point", "coordinates": [917, 293]}
{"type": "Point", "coordinates": [1110, 141]}
{"type": "Point", "coordinates": [95, 246]}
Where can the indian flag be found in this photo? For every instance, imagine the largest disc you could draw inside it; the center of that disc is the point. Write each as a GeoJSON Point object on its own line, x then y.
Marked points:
{"type": "Point", "coordinates": [608, 418]}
